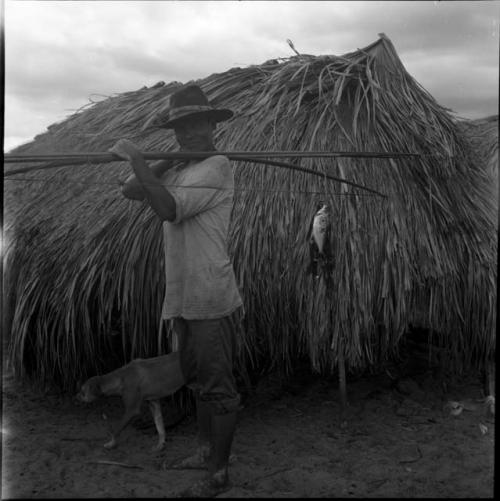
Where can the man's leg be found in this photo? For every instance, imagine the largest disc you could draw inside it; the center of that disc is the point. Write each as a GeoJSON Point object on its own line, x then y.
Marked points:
{"type": "Point", "coordinates": [215, 348]}
{"type": "Point", "coordinates": [187, 353]}
{"type": "Point", "coordinates": [204, 420]}
{"type": "Point", "coordinates": [223, 428]}
{"type": "Point", "coordinates": [200, 459]}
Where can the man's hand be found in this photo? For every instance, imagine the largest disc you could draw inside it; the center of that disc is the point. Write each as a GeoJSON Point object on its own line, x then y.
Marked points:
{"type": "Point", "coordinates": [125, 149]}
{"type": "Point", "coordinates": [144, 183]}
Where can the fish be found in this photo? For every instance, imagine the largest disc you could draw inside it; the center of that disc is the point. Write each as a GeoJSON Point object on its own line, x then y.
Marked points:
{"type": "Point", "coordinates": [483, 428]}
{"type": "Point", "coordinates": [490, 404]}
{"type": "Point", "coordinates": [319, 227]}
{"type": "Point", "coordinates": [455, 408]}
{"type": "Point", "coordinates": [319, 240]}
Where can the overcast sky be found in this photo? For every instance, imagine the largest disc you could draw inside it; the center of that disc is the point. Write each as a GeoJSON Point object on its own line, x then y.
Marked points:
{"type": "Point", "coordinates": [58, 54]}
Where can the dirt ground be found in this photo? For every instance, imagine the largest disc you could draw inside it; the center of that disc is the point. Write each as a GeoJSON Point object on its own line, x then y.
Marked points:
{"type": "Point", "coordinates": [394, 441]}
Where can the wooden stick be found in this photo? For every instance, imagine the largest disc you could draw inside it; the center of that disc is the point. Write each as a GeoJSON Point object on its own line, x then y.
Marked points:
{"type": "Point", "coordinates": [104, 157]}
{"type": "Point", "coordinates": [340, 359]}
{"type": "Point", "coordinates": [342, 378]}
{"type": "Point", "coordinates": [310, 171]}
{"type": "Point", "coordinates": [113, 158]}
{"type": "Point", "coordinates": [115, 463]}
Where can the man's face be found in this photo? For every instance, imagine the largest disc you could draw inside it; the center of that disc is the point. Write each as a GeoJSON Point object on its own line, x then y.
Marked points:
{"type": "Point", "coordinates": [195, 133]}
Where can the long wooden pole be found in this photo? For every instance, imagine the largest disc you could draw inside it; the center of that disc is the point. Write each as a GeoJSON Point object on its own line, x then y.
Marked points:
{"type": "Point", "coordinates": [76, 159]}
{"type": "Point", "coordinates": [104, 157]}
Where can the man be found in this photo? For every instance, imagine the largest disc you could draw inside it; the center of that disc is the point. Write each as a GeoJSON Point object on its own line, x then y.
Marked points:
{"type": "Point", "coordinates": [194, 201]}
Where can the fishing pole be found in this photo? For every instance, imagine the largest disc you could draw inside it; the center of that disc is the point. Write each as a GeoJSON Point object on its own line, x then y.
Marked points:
{"type": "Point", "coordinates": [60, 160]}
{"type": "Point", "coordinates": [104, 157]}
{"type": "Point", "coordinates": [310, 171]}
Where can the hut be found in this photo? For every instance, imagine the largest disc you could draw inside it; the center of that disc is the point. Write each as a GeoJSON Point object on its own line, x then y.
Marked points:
{"type": "Point", "coordinates": [483, 134]}
{"type": "Point", "coordinates": [84, 266]}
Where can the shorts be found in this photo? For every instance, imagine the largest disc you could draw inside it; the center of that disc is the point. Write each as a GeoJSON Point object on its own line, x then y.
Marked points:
{"type": "Point", "coordinates": [207, 350]}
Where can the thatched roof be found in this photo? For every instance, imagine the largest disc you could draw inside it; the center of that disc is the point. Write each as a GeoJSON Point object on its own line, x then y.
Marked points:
{"type": "Point", "coordinates": [483, 133]}
{"type": "Point", "coordinates": [85, 261]}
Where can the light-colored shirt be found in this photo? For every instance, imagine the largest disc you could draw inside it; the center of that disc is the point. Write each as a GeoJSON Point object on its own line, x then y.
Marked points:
{"type": "Point", "coordinates": [199, 277]}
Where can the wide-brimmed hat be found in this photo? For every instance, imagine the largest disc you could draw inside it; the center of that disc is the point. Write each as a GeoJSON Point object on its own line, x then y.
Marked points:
{"type": "Point", "coordinates": [189, 101]}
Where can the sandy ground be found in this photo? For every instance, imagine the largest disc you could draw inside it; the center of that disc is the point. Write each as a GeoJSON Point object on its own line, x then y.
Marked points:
{"type": "Point", "coordinates": [396, 441]}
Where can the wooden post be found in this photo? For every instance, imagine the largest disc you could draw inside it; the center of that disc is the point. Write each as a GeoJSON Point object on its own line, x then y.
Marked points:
{"type": "Point", "coordinates": [341, 362]}
{"type": "Point", "coordinates": [489, 386]}
{"type": "Point", "coordinates": [342, 378]}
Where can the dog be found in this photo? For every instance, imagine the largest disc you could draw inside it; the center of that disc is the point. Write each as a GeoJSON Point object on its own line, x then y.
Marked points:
{"type": "Point", "coordinates": [142, 379]}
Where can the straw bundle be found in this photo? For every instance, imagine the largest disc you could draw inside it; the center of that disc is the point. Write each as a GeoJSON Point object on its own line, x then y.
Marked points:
{"type": "Point", "coordinates": [83, 261]}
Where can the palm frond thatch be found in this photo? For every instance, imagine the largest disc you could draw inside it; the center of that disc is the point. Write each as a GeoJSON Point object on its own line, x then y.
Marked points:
{"type": "Point", "coordinates": [483, 135]}
{"type": "Point", "coordinates": [82, 260]}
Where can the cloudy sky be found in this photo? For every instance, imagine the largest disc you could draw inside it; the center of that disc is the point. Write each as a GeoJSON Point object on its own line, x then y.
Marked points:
{"type": "Point", "coordinates": [60, 54]}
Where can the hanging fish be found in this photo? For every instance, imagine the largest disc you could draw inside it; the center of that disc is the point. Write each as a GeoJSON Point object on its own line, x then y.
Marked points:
{"type": "Point", "coordinates": [319, 241]}
{"type": "Point", "coordinates": [455, 408]}
{"type": "Point", "coordinates": [490, 404]}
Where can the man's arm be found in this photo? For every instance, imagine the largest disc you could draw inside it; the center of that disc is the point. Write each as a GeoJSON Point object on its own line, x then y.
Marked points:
{"type": "Point", "coordinates": [132, 187]}
{"type": "Point", "coordinates": [159, 198]}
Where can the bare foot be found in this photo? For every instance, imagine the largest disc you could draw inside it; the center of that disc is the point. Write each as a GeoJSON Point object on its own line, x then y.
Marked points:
{"type": "Point", "coordinates": [159, 446]}
{"type": "Point", "coordinates": [110, 444]}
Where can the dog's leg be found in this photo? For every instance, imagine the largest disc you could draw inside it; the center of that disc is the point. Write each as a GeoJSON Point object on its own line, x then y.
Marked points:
{"type": "Point", "coordinates": [132, 409]}
{"type": "Point", "coordinates": [155, 407]}
{"type": "Point", "coordinates": [111, 443]}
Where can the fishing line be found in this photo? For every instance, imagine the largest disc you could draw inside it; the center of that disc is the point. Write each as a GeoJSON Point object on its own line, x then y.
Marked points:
{"type": "Point", "coordinates": [263, 190]}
